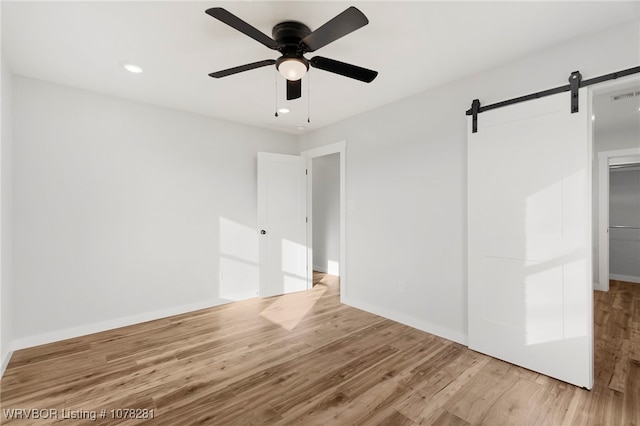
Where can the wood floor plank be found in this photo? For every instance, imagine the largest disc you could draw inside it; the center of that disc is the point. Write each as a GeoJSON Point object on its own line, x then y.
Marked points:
{"type": "Point", "coordinates": [380, 401]}
{"type": "Point", "coordinates": [329, 402]}
{"type": "Point", "coordinates": [630, 413]}
{"type": "Point", "coordinates": [467, 366]}
{"type": "Point", "coordinates": [307, 359]}
{"type": "Point", "coordinates": [514, 404]}
{"type": "Point", "coordinates": [397, 419]}
{"type": "Point", "coordinates": [442, 417]}
{"type": "Point", "coordinates": [475, 400]}
{"type": "Point", "coordinates": [551, 406]}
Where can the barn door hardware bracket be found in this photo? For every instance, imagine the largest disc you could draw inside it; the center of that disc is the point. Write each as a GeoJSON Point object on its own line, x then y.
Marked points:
{"type": "Point", "coordinates": [475, 109]}
{"type": "Point", "coordinates": [574, 84]}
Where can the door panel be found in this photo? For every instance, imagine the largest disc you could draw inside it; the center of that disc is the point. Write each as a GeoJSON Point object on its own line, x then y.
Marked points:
{"type": "Point", "coordinates": [529, 265]}
{"type": "Point", "coordinates": [282, 217]}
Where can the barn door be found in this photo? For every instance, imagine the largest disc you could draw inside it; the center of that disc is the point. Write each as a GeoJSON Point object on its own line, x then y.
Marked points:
{"type": "Point", "coordinates": [529, 234]}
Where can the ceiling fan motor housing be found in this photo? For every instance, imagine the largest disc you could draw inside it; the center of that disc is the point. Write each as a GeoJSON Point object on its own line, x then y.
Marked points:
{"type": "Point", "coordinates": [289, 34]}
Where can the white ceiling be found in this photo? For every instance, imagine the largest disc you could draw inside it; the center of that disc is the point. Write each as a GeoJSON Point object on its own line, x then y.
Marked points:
{"type": "Point", "coordinates": [414, 45]}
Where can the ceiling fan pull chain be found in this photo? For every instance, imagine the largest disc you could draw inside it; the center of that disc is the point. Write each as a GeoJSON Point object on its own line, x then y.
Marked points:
{"type": "Point", "coordinates": [276, 86]}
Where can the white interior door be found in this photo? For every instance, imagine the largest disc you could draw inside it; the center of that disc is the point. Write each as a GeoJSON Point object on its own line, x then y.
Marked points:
{"type": "Point", "coordinates": [282, 213]}
{"type": "Point", "coordinates": [529, 224]}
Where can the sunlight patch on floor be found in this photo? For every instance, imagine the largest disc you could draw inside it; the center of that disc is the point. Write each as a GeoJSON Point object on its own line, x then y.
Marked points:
{"type": "Point", "coordinates": [289, 309]}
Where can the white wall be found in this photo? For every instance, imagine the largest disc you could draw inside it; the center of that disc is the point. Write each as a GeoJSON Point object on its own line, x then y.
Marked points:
{"type": "Point", "coordinates": [326, 213]}
{"type": "Point", "coordinates": [624, 244]}
{"type": "Point", "coordinates": [406, 181]}
{"type": "Point", "coordinates": [607, 141]}
{"type": "Point", "coordinates": [6, 333]}
{"type": "Point", "coordinates": [125, 211]}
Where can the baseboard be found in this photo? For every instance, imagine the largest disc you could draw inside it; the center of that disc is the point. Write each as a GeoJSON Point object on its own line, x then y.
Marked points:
{"type": "Point", "coordinates": [5, 362]}
{"type": "Point", "coordinates": [69, 333]}
{"type": "Point", "coordinates": [597, 286]}
{"type": "Point", "coordinates": [416, 323]}
{"type": "Point", "coordinates": [628, 278]}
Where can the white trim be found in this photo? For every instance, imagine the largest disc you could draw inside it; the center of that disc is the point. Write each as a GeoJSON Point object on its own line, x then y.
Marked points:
{"type": "Point", "coordinates": [603, 222]}
{"type": "Point", "coordinates": [339, 148]}
{"type": "Point", "coordinates": [325, 150]}
{"type": "Point", "coordinates": [310, 266]}
{"type": "Point", "coordinates": [69, 333]}
{"type": "Point", "coordinates": [5, 363]}
{"type": "Point", "coordinates": [627, 278]}
{"type": "Point", "coordinates": [606, 158]}
{"type": "Point", "coordinates": [416, 323]}
{"type": "Point", "coordinates": [589, 232]}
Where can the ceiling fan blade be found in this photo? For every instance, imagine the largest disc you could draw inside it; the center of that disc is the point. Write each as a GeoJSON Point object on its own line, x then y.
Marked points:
{"type": "Point", "coordinates": [342, 68]}
{"type": "Point", "coordinates": [241, 68]}
{"type": "Point", "coordinates": [233, 21]}
{"type": "Point", "coordinates": [343, 24]}
{"type": "Point", "coordinates": [294, 89]}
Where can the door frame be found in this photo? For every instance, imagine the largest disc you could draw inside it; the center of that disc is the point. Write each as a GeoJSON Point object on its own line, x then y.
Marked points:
{"type": "Point", "coordinates": [606, 158]}
{"type": "Point", "coordinates": [334, 148]}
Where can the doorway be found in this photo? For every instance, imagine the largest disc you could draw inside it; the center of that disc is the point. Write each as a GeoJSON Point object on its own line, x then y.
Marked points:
{"type": "Point", "coordinates": [326, 214]}
{"type": "Point", "coordinates": [326, 225]}
{"type": "Point", "coordinates": [616, 136]}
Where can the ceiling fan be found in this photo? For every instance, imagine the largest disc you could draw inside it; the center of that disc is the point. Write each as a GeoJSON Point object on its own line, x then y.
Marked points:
{"type": "Point", "coordinates": [293, 39]}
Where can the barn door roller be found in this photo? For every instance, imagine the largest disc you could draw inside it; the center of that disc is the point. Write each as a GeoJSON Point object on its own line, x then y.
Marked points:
{"type": "Point", "coordinates": [574, 85]}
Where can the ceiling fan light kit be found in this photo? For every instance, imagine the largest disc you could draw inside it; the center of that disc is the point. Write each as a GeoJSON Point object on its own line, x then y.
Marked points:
{"type": "Point", "coordinates": [293, 39]}
{"type": "Point", "coordinates": [292, 68]}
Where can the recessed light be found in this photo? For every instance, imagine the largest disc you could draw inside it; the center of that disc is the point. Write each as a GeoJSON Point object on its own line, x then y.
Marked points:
{"type": "Point", "coordinates": [132, 68]}
{"type": "Point", "coordinates": [284, 110]}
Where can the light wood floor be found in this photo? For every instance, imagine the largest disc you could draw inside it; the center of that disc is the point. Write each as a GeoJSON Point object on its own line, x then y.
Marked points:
{"type": "Point", "coordinates": [305, 359]}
